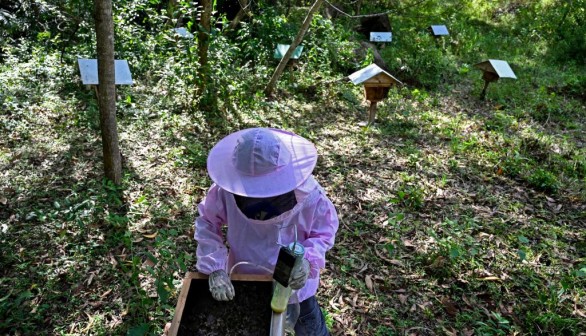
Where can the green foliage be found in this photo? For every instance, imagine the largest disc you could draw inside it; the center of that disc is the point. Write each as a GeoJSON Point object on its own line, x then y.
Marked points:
{"type": "Point", "coordinates": [328, 318]}
{"type": "Point", "coordinates": [409, 196]}
{"type": "Point", "coordinates": [330, 48]}
{"type": "Point", "coordinates": [544, 180]}
{"type": "Point", "coordinates": [259, 38]}
{"type": "Point", "coordinates": [496, 326]}
{"type": "Point", "coordinates": [562, 25]}
{"type": "Point", "coordinates": [418, 59]}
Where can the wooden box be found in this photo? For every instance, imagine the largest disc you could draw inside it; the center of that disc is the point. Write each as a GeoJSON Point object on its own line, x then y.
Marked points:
{"type": "Point", "coordinates": [376, 93]}
{"type": "Point", "coordinates": [249, 313]}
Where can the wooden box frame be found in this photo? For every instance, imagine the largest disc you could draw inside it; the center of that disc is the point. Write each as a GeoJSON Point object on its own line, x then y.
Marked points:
{"type": "Point", "coordinates": [277, 320]}
{"type": "Point", "coordinates": [376, 93]}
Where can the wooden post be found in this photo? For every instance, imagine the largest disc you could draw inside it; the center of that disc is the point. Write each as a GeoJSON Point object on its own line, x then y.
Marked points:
{"type": "Point", "coordinates": [107, 90]}
{"type": "Point", "coordinates": [372, 112]}
{"type": "Point", "coordinates": [488, 77]}
{"type": "Point", "coordinates": [483, 93]}
{"type": "Point", "coordinates": [97, 91]}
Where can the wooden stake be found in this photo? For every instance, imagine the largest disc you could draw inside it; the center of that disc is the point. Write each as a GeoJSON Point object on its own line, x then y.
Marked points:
{"type": "Point", "coordinates": [483, 93]}
{"type": "Point", "coordinates": [372, 112]}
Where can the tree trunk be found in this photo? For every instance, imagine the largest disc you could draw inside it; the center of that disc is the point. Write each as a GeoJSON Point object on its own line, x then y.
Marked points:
{"type": "Point", "coordinates": [279, 71]}
{"type": "Point", "coordinates": [107, 90]}
{"type": "Point", "coordinates": [203, 41]}
{"type": "Point", "coordinates": [358, 7]}
{"type": "Point", "coordinates": [239, 16]}
{"type": "Point", "coordinates": [378, 59]}
{"type": "Point", "coordinates": [563, 20]}
{"type": "Point", "coordinates": [172, 20]}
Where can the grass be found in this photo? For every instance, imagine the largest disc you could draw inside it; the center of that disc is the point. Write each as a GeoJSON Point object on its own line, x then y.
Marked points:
{"type": "Point", "coordinates": [465, 216]}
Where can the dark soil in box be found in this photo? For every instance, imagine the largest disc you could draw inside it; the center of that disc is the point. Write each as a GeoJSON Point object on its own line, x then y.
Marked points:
{"type": "Point", "coordinates": [248, 314]}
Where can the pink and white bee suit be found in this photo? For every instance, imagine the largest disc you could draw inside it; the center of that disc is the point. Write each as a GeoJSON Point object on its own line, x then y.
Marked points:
{"type": "Point", "coordinates": [258, 241]}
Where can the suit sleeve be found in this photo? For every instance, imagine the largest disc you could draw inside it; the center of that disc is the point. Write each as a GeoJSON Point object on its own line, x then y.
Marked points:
{"type": "Point", "coordinates": [212, 254]}
{"type": "Point", "coordinates": [321, 235]}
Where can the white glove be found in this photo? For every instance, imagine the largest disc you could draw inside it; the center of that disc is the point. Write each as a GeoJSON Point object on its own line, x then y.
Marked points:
{"type": "Point", "coordinates": [221, 286]}
{"type": "Point", "coordinates": [299, 275]}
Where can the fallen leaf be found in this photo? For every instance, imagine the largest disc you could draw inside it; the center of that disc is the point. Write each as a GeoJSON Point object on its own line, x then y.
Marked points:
{"type": "Point", "coordinates": [505, 310]}
{"type": "Point", "coordinates": [449, 306]}
{"type": "Point", "coordinates": [490, 278]}
{"type": "Point", "coordinates": [424, 305]}
{"type": "Point", "coordinates": [403, 298]}
{"type": "Point", "coordinates": [89, 325]}
{"type": "Point", "coordinates": [369, 284]}
{"type": "Point", "coordinates": [439, 262]}
{"type": "Point", "coordinates": [148, 263]}
{"type": "Point", "coordinates": [450, 332]}
{"type": "Point", "coordinates": [331, 302]}
{"type": "Point", "coordinates": [382, 256]}
{"type": "Point", "coordinates": [113, 260]}
{"type": "Point", "coordinates": [89, 281]}
{"type": "Point", "coordinates": [106, 293]}
{"type": "Point", "coordinates": [150, 236]}
{"type": "Point", "coordinates": [3, 200]}
{"type": "Point", "coordinates": [467, 332]}
{"type": "Point", "coordinates": [396, 262]}
{"type": "Point", "coordinates": [96, 304]}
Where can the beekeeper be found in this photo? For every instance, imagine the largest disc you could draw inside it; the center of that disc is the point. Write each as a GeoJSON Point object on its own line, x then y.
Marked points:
{"type": "Point", "coordinates": [265, 194]}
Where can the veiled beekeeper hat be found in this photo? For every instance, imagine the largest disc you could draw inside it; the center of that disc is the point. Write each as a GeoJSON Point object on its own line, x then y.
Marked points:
{"type": "Point", "coordinates": [261, 162]}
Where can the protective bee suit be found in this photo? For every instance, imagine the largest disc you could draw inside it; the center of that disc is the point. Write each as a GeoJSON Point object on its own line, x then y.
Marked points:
{"type": "Point", "coordinates": [258, 241]}
{"type": "Point", "coordinates": [266, 197]}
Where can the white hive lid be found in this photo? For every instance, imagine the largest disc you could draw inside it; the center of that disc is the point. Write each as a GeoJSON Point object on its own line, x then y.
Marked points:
{"type": "Point", "coordinates": [439, 30]}
{"type": "Point", "coordinates": [89, 72]}
{"type": "Point", "coordinates": [502, 69]}
{"type": "Point", "coordinates": [369, 72]}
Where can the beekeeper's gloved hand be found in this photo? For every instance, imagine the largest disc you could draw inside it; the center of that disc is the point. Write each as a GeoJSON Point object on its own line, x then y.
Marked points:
{"type": "Point", "coordinates": [299, 274]}
{"type": "Point", "coordinates": [221, 286]}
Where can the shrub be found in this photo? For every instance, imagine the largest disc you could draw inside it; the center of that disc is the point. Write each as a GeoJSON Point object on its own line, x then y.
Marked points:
{"type": "Point", "coordinates": [543, 180]}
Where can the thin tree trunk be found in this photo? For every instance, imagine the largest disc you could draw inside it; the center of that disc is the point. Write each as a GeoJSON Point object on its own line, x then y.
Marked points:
{"type": "Point", "coordinates": [358, 7]}
{"type": "Point", "coordinates": [107, 90]}
{"type": "Point", "coordinates": [563, 20]}
{"type": "Point", "coordinates": [279, 71]}
{"type": "Point", "coordinates": [239, 16]}
{"type": "Point", "coordinates": [203, 41]}
{"type": "Point", "coordinates": [378, 59]}
{"type": "Point", "coordinates": [171, 8]}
